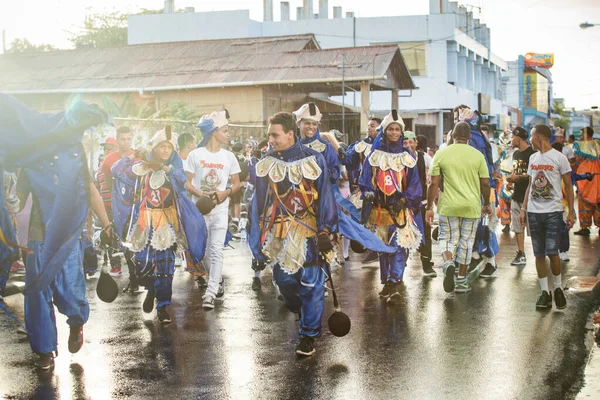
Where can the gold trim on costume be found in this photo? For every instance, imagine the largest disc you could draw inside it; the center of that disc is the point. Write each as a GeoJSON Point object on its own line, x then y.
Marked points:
{"type": "Point", "coordinates": [393, 161]}
{"type": "Point", "coordinates": [278, 170]}
{"type": "Point", "coordinates": [316, 145]}
{"type": "Point", "coordinates": [363, 147]}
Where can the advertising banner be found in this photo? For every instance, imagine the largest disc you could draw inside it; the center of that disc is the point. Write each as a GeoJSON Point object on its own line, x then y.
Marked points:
{"type": "Point", "coordinates": [545, 60]}
{"type": "Point", "coordinates": [530, 89]}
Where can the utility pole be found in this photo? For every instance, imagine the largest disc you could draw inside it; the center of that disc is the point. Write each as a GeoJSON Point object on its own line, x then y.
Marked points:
{"type": "Point", "coordinates": [343, 97]}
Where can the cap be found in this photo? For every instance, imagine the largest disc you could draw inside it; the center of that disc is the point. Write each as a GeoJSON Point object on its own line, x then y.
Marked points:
{"type": "Point", "coordinates": [392, 118]}
{"type": "Point", "coordinates": [213, 121]}
{"type": "Point", "coordinates": [308, 111]}
{"type": "Point", "coordinates": [164, 135]}
{"type": "Point", "coordinates": [110, 141]}
{"type": "Point", "coordinates": [409, 135]}
{"type": "Point", "coordinates": [521, 133]}
{"type": "Point", "coordinates": [559, 132]}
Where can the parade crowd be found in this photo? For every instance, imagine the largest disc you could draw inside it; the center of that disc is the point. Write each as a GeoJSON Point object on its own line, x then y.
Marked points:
{"type": "Point", "coordinates": [300, 199]}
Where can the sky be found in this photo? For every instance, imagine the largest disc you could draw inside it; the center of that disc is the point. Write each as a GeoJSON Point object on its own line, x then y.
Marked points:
{"type": "Point", "coordinates": [517, 27]}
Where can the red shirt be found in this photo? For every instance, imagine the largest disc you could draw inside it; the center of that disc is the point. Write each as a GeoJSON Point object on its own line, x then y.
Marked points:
{"type": "Point", "coordinates": [106, 183]}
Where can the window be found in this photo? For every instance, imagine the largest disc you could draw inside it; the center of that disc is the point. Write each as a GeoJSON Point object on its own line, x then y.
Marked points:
{"type": "Point", "coordinates": [414, 56]}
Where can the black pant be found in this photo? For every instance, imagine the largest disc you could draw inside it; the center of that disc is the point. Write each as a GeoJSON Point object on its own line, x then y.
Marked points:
{"type": "Point", "coordinates": [425, 248]}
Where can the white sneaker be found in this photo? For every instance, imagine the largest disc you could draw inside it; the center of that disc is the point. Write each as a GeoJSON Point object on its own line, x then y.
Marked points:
{"type": "Point", "coordinates": [209, 302]}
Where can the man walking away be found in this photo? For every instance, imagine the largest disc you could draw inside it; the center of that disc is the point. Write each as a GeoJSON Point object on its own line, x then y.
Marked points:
{"type": "Point", "coordinates": [463, 171]}
{"type": "Point", "coordinates": [520, 180]}
{"type": "Point", "coordinates": [544, 211]}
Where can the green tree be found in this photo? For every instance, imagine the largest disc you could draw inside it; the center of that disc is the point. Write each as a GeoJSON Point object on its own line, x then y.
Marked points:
{"type": "Point", "coordinates": [564, 122]}
{"type": "Point", "coordinates": [25, 46]}
{"type": "Point", "coordinates": [102, 30]}
{"type": "Point", "coordinates": [105, 30]}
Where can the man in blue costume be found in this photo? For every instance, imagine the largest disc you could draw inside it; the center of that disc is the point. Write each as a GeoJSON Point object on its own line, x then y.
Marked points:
{"type": "Point", "coordinates": [293, 217]}
{"type": "Point", "coordinates": [355, 158]}
{"type": "Point", "coordinates": [391, 201]}
{"type": "Point", "coordinates": [62, 189]}
{"type": "Point", "coordinates": [486, 242]}
{"type": "Point", "coordinates": [157, 218]}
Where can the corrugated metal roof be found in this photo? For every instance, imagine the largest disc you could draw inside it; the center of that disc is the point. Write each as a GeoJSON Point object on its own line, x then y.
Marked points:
{"type": "Point", "coordinates": [214, 63]}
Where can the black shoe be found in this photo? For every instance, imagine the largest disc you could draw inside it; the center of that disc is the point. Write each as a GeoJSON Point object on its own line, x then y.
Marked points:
{"type": "Point", "coordinates": [545, 300]}
{"type": "Point", "coordinates": [583, 232]}
{"type": "Point", "coordinates": [506, 229]}
{"type": "Point", "coordinates": [163, 315]}
{"type": "Point", "coordinates": [280, 297]}
{"type": "Point", "coordinates": [372, 256]}
{"type": "Point", "coordinates": [221, 290]}
{"type": "Point", "coordinates": [148, 305]}
{"type": "Point", "coordinates": [306, 346]}
{"type": "Point", "coordinates": [473, 264]}
{"type": "Point", "coordinates": [394, 297]}
{"type": "Point", "coordinates": [256, 283]}
{"type": "Point", "coordinates": [75, 338]}
{"type": "Point", "coordinates": [449, 278]}
{"type": "Point", "coordinates": [347, 258]}
{"type": "Point", "coordinates": [559, 299]}
{"type": "Point", "coordinates": [201, 282]}
{"type": "Point", "coordinates": [45, 361]}
{"type": "Point", "coordinates": [387, 290]}
{"type": "Point", "coordinates": [428, 270]}
{"type": "Point", "coordinates": [488, 271]}
{"type": "Point", "coordinates": [519, 259]}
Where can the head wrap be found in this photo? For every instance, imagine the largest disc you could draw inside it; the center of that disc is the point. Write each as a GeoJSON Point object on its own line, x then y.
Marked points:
{"type": "Point", "coordinates": [209, 123]}
{"type": "Point", "coordinates": [392, 118]}
{"type": "Point", "coordinates": [469, 116]}
{"type": "Point", "coordinates": [409, 135]}
{"type": "Point", "coordinates": [309, 112]}
{"type": "Point", "coordinates": [164, 135]}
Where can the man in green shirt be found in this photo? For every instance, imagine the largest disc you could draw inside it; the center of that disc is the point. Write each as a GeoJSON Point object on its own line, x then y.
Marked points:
{"type": "Point", "coordinates": [461, 174]}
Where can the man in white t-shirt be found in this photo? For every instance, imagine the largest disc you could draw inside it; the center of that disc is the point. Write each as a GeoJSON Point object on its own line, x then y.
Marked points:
{"type": "Point", "coordinates": [209, 167]}
{"type": "Point", "coordinates": [559, 136]}
{"type": "Point", "coordinates": [548, 170]}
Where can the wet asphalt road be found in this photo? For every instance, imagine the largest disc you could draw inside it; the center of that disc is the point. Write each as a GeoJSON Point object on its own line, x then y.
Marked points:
{"type": "Point", "coordinates": [487, 344]}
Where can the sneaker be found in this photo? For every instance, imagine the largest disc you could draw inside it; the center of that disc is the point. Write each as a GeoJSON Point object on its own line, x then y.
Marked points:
{"type": "Point", "coordinates": [75, 338]}
{"type": "Point", "coordinates": [388, 289]}
{"type": "Point", "coordinates": [506, 229]}
{"type": "Point", "coordinates": [545, 300]}
{"type": "Point", "coordinates": [256, 283]}
{"type": "Point", "coordinates": [448, 269]}
{"type": "Point", "coordinates": [472, 265]}
{"type": "Point", "coordinates": [428, 270]}
{"type": "Point", "coordinates": [163, 315]}
{"type": "Point", "coordinates": [488, 271]}
{"type": "Point", "coordinates": [394, 297]}
{"type": "Point", "coordinates": [201, 282]}
{"type": "Point", "coordinates": [221, 291]}
{"type": "Point", "coordinates": [17, 267]}
{"type": "Point", "coordinates": [462, 286]}
{"type": "Point", "coordinates": [519, 259]}
{"type": "Point", "coordinates": [280, 297]}
{"type": "Point", "coordinates": [583, 232]}
{"type": "Point", "coordinates": [564, 256]}
{"type": "Point", "coordinates": [372, 256]}
{"type": "Point", "coordinates": [115, 271]}
{"type": "Point", "coordinates": [559, 299]}
{"type": "Point", "coordinates": [208, 302]}
{"type": "Point", "coordinates": [45, 361]}
{"type": "Point", "coordinates": [148, 305]}
{"type": "Point", "coordinates": [306, 346]}
{"type": "Point", "coordinates": [347, 258]}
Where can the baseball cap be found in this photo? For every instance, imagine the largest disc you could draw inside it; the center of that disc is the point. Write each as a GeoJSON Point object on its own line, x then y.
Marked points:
{"type": "Point", "coordinates": [110, 141]}
{"type": "Point", "coordinates": [409, 135]}
{"type": "Point", "coordinates": [520, 132]}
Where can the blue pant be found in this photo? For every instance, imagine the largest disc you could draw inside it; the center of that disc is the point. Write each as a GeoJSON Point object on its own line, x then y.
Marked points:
{"type": "Point", "coordinates": [66, 292]}
{"type": "Point", "coordinates": [564, 242]}
{"type": "Point", "coordinates": [155, 269]}
{"type": "Point", "coordinates": [304, 293]}
{"type": "Point", "coordinates": [545, 229]}
{"type": "Point", "coordinates": [391, 266]}
{"type": "Point", "coordinates": [4, 271]}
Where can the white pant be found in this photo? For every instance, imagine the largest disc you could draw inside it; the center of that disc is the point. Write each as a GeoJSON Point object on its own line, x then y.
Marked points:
{"type": "Point", "coordinates": [216, 225]}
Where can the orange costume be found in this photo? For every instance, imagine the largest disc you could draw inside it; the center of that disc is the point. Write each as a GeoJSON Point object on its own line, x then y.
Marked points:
{"type": "Point", "coordinates": [587, 155]}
